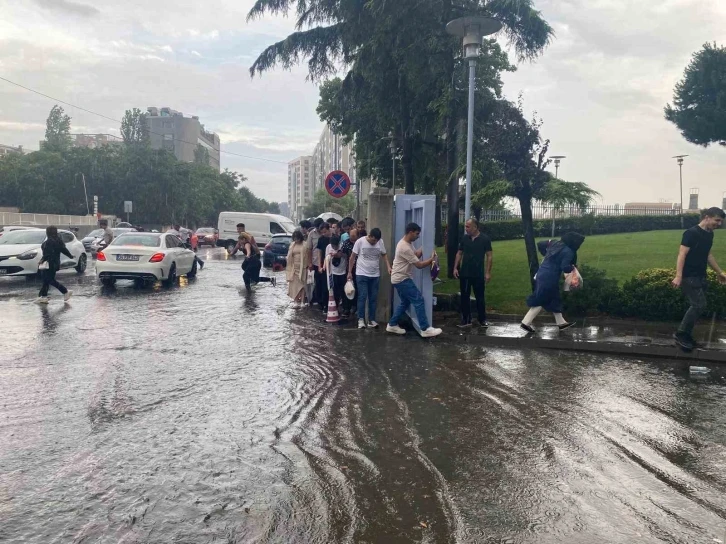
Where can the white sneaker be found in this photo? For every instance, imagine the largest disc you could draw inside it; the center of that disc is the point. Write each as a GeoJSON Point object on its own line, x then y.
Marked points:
{"type": "Point", "coordinates": [42, 300]}
{"type": "Point", "coordinates": [372, 325]}
{"type": "Point", "coordinates": [361, 324]}
{"type": "Point", "coordinates": [395, 329]}
{"type": "Point", "coordinates": [68, 296]}
{"type": "Point", "coordinates": [431, 332]}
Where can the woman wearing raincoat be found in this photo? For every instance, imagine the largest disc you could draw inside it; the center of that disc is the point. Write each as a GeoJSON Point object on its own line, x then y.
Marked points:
{"type": "Point", "coordinates": [560, 257]}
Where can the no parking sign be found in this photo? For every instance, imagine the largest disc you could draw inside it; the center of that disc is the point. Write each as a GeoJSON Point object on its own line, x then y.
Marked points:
{"type": "Point", "coordinates": [337, 184]}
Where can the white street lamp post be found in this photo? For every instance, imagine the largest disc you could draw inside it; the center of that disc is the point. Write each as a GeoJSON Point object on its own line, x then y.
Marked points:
{"type": "Point", "coordinates": [472, 30]}
{"type": "Point", "coordinates": [680, 158]}
{"type": "Point", "coordinates": [558, 159]}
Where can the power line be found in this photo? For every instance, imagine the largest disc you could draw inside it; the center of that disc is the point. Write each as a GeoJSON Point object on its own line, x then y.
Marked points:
{"type": "Point", "coordinates": [118, 121]}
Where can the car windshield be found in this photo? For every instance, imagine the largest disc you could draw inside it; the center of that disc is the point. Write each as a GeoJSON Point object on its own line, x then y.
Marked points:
{"type": "Point", "coordinates": [205, 231]}
{"type": "Point", "coordinates": [289, 226]}
{"type": "Point", "coordinates": [285, 240]}
{"type": "Point", "coordinates": [23, 237]}
{"type": "Point", "coordinates": [146, 240]}
{"type": "Point", "coordinates": [95, 233]}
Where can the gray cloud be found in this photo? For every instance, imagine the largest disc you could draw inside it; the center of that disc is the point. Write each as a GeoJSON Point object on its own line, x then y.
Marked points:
{"type": "Point", "coordinates": [66, 6]}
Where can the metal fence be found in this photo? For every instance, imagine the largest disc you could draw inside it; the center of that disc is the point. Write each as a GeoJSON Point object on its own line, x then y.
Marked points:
{"type": "Point", "coordinates": [46, 219]}
{"type": "Point", "coordinates": [543, 211]}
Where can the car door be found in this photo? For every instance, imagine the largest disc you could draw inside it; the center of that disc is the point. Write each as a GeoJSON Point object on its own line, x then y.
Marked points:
{"type": "Point", "coordinates": [68, 240]}
{"type": "Point", "coordinates": [179, 254]}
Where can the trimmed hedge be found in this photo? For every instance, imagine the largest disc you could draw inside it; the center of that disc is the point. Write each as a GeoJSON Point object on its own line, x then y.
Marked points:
{"type": "Point", "coordinates": [587, 224]}
{"type": "Point", "coordinates": [651, 296]}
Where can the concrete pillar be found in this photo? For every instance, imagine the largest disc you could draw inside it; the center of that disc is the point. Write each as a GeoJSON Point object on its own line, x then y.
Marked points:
{"type": "Point", "coordinates": [380, 214]}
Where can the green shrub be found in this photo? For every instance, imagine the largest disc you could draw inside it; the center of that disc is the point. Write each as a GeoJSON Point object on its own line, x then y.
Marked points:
{"type": "Point", "coordinates": [600, 294]}
{"type": "Point", "coordinates": [588, 224]}
{"type": "Point", "coordinates": [651, 296]}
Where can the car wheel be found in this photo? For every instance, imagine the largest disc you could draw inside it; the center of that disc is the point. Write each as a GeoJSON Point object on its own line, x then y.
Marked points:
{"type": "Point", "coordinates": [108, 282]}
{"type": "Point", "coordinates": [169, 281]}
{"type": "Point", "coordinates": [193, 272]}
{"type": "Point", "coordinates": [230, 246]}
{"type": "Point", "coordinates": [82, 264]}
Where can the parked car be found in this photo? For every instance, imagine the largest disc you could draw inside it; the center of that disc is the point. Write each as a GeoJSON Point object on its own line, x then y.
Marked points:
{"type": "Point", "coordinates": [260, 225]}
{"type": "Point", "coordinates": [145, 257]}
{"type": "Point", "coordinates": [20, 252]}
{"type": "Point", "coordinates": [276, 250]}
{"type": "Point", "coordinates": [207, 236]}
{"type": "Point", "coordinates": [91, 237]}
{"type": "Point", "coordinates": [5, 230]}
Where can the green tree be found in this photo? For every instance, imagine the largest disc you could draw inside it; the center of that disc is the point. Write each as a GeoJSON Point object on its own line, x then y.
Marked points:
{"type": "Point", "coordinates": [273, 207]}
{"type": "Point", "coordinates": [201, 155]}
{"type": "Point", "coordinates": [57, 130]}
{"type": "Point", "coordinates": [699, 102]}
{"type": "Point", "coordinates": [135, 127]}
{"type": "Point", "coordinates": [323, 202]}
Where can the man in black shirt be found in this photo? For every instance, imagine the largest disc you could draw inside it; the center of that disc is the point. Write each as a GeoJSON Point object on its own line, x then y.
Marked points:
{"type": "Point", "coordinates": [694, 257]}
{"type": "Point", "coordinates": [473, 249]}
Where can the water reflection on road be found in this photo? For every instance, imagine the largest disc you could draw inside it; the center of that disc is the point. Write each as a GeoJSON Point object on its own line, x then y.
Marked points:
{"type": "Point", "coordinates": [204, 414]}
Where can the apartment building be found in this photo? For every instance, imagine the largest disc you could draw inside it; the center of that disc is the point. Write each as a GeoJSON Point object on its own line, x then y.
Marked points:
{"type": "Point", "coordinates": [300, 187]}
{"type": "Point", "coordinates": [170, 130]}
{"type": "Point", "coordinates": [332, 154]}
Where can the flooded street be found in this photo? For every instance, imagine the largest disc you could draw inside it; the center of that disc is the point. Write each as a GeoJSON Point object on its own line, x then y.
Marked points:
{"type": "Point", "coordinates": [202, 413]}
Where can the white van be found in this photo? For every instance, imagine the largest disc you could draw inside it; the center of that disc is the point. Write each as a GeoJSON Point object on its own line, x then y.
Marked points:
{"type": "Point", "coordinates": [260, 225]}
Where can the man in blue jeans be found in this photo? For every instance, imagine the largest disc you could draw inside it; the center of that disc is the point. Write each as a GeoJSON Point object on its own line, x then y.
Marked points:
{"type": "Point", "coordinates": [402, 279]}
{"type": "Point", "coordinates": [365, 260]}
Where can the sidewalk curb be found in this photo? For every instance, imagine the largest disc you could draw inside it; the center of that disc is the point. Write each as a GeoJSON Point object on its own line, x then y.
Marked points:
{"type": "Point", "coordinates": [630, 349]}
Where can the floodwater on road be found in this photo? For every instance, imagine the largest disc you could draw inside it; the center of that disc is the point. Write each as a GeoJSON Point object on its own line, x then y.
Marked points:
{"type": "Point", "coordinates": [202, 413]}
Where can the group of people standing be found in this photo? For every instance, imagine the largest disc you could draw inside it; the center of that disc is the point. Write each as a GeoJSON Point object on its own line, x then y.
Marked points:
{"type": "Point", "coordinates": [342, 257]}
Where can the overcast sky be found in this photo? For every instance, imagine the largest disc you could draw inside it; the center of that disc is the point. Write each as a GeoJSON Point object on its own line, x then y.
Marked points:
{"type": "Point", "coordinates": [600, 87]}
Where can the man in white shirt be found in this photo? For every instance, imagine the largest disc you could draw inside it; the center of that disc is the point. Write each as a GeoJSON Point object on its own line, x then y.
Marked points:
{"type": "Point", "coordinates": [402, 279]}
{"type": "Point", "coordinates": [366, 257]}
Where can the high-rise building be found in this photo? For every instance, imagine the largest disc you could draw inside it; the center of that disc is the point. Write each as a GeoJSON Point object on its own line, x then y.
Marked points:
{"type": "Point", "coordinates": [332, 154]}
{"type": "Point", "coordinates": [181, 135]}
{"type": "Point", "coordinates": [300, 188]}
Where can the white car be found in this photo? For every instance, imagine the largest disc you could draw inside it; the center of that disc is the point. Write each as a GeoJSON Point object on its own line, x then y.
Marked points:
{"type": "Point", "coordinates": [11, 228]}
{"type": "Point", "coordinates": [20, 252]}
{"type": "Point", "coordinates": [145, 257]}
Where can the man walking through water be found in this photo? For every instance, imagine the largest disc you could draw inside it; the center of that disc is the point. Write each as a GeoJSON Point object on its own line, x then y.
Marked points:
{"type": "Point", "coordinates": [474, 249]}
{"type": "Point", "coordinates": [694, 257]}
{"type": "Point", "coordinates": [402, 279]}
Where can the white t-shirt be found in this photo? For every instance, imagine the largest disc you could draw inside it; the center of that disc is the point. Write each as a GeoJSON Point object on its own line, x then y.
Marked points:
{"type": "Point", "coordinates": [369, 257]}
{"type": "Point", "coordinates": [342, 268]}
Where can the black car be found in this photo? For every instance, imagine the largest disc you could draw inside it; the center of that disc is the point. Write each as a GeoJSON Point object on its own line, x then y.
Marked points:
{"type": "Point", "coordinates": [276, 250]}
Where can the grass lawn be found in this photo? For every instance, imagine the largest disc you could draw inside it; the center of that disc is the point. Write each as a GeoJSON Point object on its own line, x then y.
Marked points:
{"type": "Point", "coordinates": [620, 255]}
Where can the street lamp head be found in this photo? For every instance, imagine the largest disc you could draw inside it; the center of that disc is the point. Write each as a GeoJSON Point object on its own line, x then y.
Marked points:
{"type": "Point", "coordinates": [472, 30]}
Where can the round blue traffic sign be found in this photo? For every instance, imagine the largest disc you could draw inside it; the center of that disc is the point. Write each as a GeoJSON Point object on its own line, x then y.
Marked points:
{"type": "Point", "coordinates": [337, 184]}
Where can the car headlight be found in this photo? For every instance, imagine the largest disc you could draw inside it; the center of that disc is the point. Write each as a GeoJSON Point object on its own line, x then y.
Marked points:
{"type": "Point", "coordinates": [30, 254]}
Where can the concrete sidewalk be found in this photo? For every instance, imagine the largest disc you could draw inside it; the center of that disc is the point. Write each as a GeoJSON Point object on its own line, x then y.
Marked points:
{"type": "Point", "coordinates": [625, 337]}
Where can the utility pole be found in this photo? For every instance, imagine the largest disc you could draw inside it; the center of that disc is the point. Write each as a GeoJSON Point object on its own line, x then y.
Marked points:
{"type": "Point", "coordinates": [680, 158]}
{"type": "Point", "coordinates": [557, 159]}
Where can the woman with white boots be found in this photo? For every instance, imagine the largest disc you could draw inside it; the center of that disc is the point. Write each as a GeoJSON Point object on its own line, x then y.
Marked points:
{"type": "Point", "coordinates": [560, 257]}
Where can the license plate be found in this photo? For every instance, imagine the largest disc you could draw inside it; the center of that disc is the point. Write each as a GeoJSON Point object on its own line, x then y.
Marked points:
{"type": "Point", "coordinates": [3, 271]}
{"type": "Point", "coordinates": [127, 257]}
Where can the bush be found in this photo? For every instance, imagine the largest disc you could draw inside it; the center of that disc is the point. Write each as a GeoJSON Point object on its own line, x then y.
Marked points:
{"type": "Point", "coordinates": [588, 224]}
{"type": "Point", "coordinates": [651, 296]}
{"type": "Point", "coordinates": [600, 294]}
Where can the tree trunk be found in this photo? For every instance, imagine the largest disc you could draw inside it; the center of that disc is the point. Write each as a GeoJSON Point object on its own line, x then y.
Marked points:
{"type": "Point", "coordinates": [438, 232]}
{"type": "Point", "coordinates": [407, 163]}
{"type": "Point", "coordinates": [525, 203]}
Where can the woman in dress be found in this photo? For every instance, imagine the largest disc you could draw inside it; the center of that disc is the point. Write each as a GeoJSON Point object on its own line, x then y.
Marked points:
{"type": "Point", "coordinates": [297, 269]}
{"type": "Point", "coordinates": [560, 257]}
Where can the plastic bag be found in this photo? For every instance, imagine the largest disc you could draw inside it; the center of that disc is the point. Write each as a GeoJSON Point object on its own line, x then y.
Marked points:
{"type": "Point", "coordinates": [573, 280]}
{"type": "Point", "coordinates": [311, 277]}
{"type": "Point", "coordinates": [350, 290]}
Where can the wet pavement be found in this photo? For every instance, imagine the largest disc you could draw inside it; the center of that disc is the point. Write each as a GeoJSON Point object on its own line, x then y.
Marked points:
{"type": "Point", "coordinates": [202, 413]}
